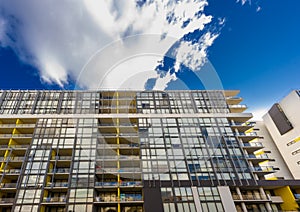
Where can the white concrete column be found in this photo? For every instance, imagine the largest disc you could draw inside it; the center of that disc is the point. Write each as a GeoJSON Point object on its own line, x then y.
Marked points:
{"type": "Point", "coordinates": [238, 191]}
{"type": "Point", "coordinates": [262, 192]}
{"type": "Point", "coordinates": [226, 198]}
{"type": "Point", "coordinates": [196, 199]}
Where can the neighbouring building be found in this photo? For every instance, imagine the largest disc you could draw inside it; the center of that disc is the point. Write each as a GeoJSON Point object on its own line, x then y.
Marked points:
{"type": "Point", "coordinates": [129, 151]}
{"type": "Point", "coordinates": [283, 124]}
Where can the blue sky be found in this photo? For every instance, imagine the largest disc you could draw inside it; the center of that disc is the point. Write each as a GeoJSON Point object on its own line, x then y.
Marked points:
{"type": "Point", "coordinates": [256, 50]}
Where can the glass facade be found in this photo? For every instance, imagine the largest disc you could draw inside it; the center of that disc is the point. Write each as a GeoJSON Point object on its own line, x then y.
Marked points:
{"type": "Point", "coordinates": [106, 150]}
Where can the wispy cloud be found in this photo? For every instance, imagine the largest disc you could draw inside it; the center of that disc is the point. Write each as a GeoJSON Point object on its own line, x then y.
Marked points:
{"type": "Point", "coordinates": [60, 38]}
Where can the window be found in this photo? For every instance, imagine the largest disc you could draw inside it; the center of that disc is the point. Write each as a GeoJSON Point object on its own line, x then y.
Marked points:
{"type": "Point", "coordinates": [296, 152]}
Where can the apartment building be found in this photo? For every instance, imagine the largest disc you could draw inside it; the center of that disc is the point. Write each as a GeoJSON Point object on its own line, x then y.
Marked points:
{"type": "Point", "coordinates": [134, 151]}
{"type": "Point", "coordinates": [283, 124]}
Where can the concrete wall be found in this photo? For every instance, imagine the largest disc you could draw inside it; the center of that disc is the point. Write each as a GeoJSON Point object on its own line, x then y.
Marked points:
{"type": "Point", "coordinates": [270, 146]}
{"type": "Point", "coordinates": [291, 107]}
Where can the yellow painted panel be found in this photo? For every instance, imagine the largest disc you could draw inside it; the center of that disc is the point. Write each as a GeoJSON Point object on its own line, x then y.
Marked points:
{"type": "Point", "coordinates": [18, 121]}
{"type": "Point", "coordinates": [264, 163]}
{"type": "Point", "coordinates": [289, 203]}
{"type": "Point", "coordinates": [12, 142]}
{"type": "Point", "coordinates": [259, 152]}
{"type": "Point", "coordinates": [297, 139]}
{"type": "Point", "coordinates": [272, 178]}
{"type": "Point", "coordinates": [15, 131]}
{"type": "Point", "coordinates": [42, 208]}
{"type": "Point", "coordinates": [53, 154]}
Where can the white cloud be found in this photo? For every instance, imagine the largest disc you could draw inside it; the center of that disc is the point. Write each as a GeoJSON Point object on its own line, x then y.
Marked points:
{"type": "Point", "coordinates": [193, 55]}
{"type": "Point", "coordinates": [243, 1]}
{"type": "Point", "coordinates": [2, 30]}
{"type": "Point", "coordinates": [258, 8]}
{"type": "Point", "coordinates": [59, 38]}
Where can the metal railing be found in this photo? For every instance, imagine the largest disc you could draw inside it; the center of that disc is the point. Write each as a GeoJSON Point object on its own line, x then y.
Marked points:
{"type": "Point", "coordinates": [123, 183]}
{"type": "Point", "coordinates": [123, 198]}
{"type": "Point", "coordinates": [251, 197]}
{"type": "Point", "coordinates": [55, 199]}
{"type": "Point", "coordinates": [253, 144]}
{"type": "Point", "coordinates": [246, 134]}
{"type": "Point", "coordinates": [238, 106]}
{"type": "Point", "coordinates": [8, 185]}
{"type": "Point", "coordinates": [262, 168]}
{"type": "Point", "coordinates": [19, 146]}
{"type": "Point", "coordinates": [57, 184]}
{"type": "Point", "coordinates": [15, 135]}
{"type": "Point", "coordinates": [62, 158]}
{"type": "Point", "coordinates": [116, 157]}
{"type": "Point", "coordinates": [255, 197]}
{"type": "Point", "coordinates": [261, 156]}
{"type": "Point", "coordinates": [18, 125]}
{"type": "Point", "coordinates": [60, 170]}
{"type": "Point", "coordinates": [121, 170]}
{"type": "Point", "coordinates": [12, 171]}
{"type": "Point", "coordinates": [115, 146]}
{"type": "Point", "coordinates": [7, 200]}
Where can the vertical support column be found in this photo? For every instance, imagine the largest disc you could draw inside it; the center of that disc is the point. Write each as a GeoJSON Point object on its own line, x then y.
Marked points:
{"type": "Point", "coordinates": [262, 192]}
{"type": "Point", "coordinates": [2, 97]}
{"type": "Point", "coordinates": [60, 100]}
{"type": "Point", "coordinates": [118, 152]}
{"type": "Point", "coordinates": [196, 199]}
{"type": "Point", "coordinates": [226, 198]}
{"type": "Point", "coordinates": [238, 191]}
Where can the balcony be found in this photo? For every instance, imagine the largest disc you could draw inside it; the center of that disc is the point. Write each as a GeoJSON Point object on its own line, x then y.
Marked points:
{"type": "Point", "coordinates": [127, 197]}
{"type": "Point", "coordinates": [118, 146]}
{"type": "Point", "coordinates": [12, 171]}
{"type": "Point", "coordinates": [17, 125]}
{"type": "Point", "coordinates": [246, 137]}
{"type": "Point", "coordinates": [60, 171]}
{"type": "Point", "coordinates": [251, 198]}
{"type": "Point", "coordinates": [257, 158]}
{"type": "Point", "coordinates": [106, 200]}
{"type": "Point", "coordinates": [6, 201]}
{"type": "Point", "coordinates": [19, 146]}
{"type": "Point", "coordinates": [237, 108]}
{"type": "Point", "coordinates": [276, 199]}
{"type": "Point", "coordinates": [233, 100]}
{"type": "Point", "coordinates": [15, 159]}
{"type": "Point", "coordinates": [103, 124]}
{"type": "Point", "coordinates": [131, 184]}
{"type": "Point", "coordinates": [124, 198]}
{"type": "Point", "coordinates": [55, 200]}
{"type": "Point", "coordinates": [106, 184]}
{"type": "Point", "coordinates": [116, 170]}
{"type": "Point", "coordinates": [57, 184]}
{"type": "Point", "coordinates": [242, 126]}
{"type": "Point", "coordinates": [15, 135]}
{"type": "Point", "coordinates": [4, 146]}
{"type": "Point", "coordinates": [252, 146]}
{"type": "Point", "coordinates": [21, 135]}
{"type": "Point", "coordinates": [8, 185]}
{"type": "Point", "coordinates": [65, 158]}
{"type": "Point", "coordinates": [107, 157]}
{"type": "Point", "coordinates": [263, 170]}
{"type": "Point", "coordinates": [121, 184]}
